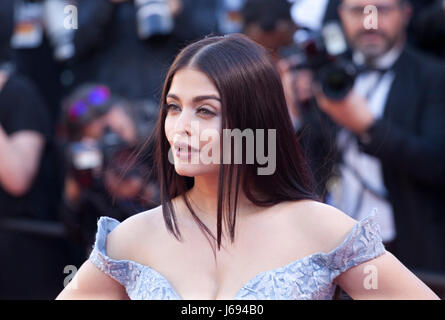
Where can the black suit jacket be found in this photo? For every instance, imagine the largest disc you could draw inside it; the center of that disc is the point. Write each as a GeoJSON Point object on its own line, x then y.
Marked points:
{"type": "Point", "coordinates": [427, 28]}
{"type": "Point", "coordinates": [409, 140]}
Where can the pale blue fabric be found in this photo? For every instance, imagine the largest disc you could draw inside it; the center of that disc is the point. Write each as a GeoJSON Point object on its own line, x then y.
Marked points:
{"type": "Point", "coordinates": [310, 277]}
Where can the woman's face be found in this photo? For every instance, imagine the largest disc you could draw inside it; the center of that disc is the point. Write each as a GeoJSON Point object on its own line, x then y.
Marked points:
{"type": "Point", "coordinates": [193, 123]}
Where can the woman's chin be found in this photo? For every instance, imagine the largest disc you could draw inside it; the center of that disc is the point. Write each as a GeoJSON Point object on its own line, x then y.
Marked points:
{"type": "Point", "coordinates": [187, 170]}
{"type": "Point", "coordinates": [193, 170]}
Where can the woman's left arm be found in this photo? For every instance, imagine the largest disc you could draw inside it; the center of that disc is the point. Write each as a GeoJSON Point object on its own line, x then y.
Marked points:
{"type": "Point", "coordinates": [383, 278]}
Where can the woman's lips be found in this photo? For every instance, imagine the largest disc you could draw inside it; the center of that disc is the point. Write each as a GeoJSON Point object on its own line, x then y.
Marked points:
{"type": "Point", "coordinates": [184, 154]}
{"type": "Point", "coordinates": [184, 151]}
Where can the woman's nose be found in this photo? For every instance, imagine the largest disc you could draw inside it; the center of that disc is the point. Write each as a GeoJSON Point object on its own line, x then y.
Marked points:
{"type": "Point", "coordinates": [183, 123]}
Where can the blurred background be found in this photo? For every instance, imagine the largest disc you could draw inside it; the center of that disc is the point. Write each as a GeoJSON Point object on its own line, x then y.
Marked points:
{"type": "Point", "coordinates": [80, 83]}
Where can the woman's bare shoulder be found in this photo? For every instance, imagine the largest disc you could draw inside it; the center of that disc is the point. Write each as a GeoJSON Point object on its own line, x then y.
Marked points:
{"type": "Point", "coordinates": [126, 239]}
{"type": "Point", "coordinates": [121, 244]}
{"type": "Point", "coordinates": [326, 226]}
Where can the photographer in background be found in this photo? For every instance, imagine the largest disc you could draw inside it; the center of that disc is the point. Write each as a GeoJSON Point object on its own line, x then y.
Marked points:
{"type": "Point", "coordinates": [43, 47]}
{"type": "Point", "coordinates": [102, 134]}
{"type": "Point", "coordinates": [127, 45]}
{"type": "Point", "coordinates": [269, 23]}
{"type": "Point", "coordinates": [32, 255]}
{"type": "Point", "coordinates": [24, 132]}
{"type": "Point", "coordinates": [392, 138]}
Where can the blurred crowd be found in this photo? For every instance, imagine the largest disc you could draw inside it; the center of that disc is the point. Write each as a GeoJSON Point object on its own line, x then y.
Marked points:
{"type": "Point", "coordinates": [80, 83]}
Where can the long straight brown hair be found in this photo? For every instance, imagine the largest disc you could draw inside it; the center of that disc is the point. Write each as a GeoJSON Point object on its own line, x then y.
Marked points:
{"type": "Point", "coordinates": [252, 97]}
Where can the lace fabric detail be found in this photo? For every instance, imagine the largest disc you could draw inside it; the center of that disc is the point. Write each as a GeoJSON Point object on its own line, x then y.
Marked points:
{"type": "Point", "coordinates": [141, 282]}
{"type": "Point", "coordinates": [311, 277]}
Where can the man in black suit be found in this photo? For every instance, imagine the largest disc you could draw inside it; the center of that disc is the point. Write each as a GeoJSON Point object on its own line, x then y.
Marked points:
{"type": "Point", "coordinates": [393, 135]}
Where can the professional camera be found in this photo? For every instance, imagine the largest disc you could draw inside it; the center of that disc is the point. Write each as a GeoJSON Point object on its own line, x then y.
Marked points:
{"type": "Point", "coordinates": [323, 53]}
{"type": "Point", "coordinates": [89, 158]}
{"type": "Point", "coordinates": [153, 18]}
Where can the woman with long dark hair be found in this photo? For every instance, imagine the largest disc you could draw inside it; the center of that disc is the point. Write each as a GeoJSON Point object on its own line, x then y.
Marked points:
{"type": "Point", "coordinates": [278, 242]}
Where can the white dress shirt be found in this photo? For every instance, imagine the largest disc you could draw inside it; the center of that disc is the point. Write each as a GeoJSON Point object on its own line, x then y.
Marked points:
{"type": "Point", "coordinates": [358, 167]}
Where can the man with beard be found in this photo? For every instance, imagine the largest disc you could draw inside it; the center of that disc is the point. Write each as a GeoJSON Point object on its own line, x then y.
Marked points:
{"type": "Point", "coordinates": [392, 138]}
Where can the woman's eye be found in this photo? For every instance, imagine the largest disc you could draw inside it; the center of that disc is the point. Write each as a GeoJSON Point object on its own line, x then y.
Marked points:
{"type": "Point", "coordinates": [172, 107]}
{"type": "Point", "coordinates": [175, 108]}
{"type": "Point", "coordinates": [206, 112]}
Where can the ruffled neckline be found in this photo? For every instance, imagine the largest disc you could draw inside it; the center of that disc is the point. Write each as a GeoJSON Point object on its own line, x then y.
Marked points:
{"type": "Point", "coordinates": [108, 224]}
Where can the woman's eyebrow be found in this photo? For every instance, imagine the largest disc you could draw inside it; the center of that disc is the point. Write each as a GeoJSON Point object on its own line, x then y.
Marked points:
{"type": "Point", "coordinates": [196, 99]}
{"type": "Point", "coordinates": [209, 97]}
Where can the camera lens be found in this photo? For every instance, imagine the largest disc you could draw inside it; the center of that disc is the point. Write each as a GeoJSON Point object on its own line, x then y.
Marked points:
{"type": "Point", "coordinates": [337, 80]}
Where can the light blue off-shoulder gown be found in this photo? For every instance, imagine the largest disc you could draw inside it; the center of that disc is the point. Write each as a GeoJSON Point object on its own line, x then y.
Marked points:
{"type": "Point", "coordinates": [310, 277]}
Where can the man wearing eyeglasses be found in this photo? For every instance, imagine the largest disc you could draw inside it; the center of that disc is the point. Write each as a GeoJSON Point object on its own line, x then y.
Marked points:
{"type": "Point", "coordinates": [392, 136]}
